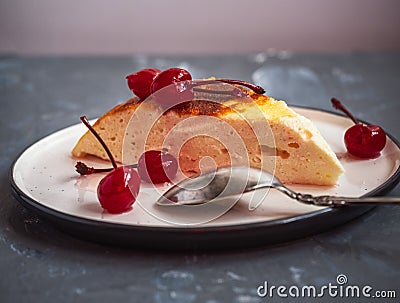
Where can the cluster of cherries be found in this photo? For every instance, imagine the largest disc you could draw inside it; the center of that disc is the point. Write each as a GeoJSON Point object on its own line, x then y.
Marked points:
{"type": "Point", "coordinates": [174, 85]}
{"type": "Point", "coordinates": [149, 80]}
{"type": "Point", "coordinates": [118, 190]}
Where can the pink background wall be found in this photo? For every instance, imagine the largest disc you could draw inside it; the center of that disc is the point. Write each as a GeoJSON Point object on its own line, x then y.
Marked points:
{"type": "Point", "coordinates": [206, 26]}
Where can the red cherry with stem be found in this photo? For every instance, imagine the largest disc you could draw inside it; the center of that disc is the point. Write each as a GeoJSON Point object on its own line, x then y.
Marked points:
{"type": "Point", "coordinates": [364, 141]}
{"type": "Point", "coordinates": [175, 94]}
{"type": "Point", "coordinates": [172, 86]}
{"type": "Point", "coordinates": [157, 166]}
{"type": "Point", "coordinates": [118, 190]}
{"type": "Point", "coordinates": [139, 83]}
{"type": "Point", "coordinates": [168, 77]}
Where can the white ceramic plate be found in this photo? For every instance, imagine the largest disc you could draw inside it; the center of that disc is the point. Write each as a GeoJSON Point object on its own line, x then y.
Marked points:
{"type": "Point", "coordinates": [44, 180]}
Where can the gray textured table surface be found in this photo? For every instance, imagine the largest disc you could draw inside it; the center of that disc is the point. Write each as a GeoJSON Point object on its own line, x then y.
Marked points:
{"type": "Point", "coordinates": [38, 263]}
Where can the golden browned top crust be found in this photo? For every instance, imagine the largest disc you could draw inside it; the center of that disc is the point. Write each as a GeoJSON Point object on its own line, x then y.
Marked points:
{"type": "Point", "coordinates": [258, 98]}
{"type": "Point", "coordinates": [132, 104]}
{"type": "Point", "coordinates": [195, 108]}
{"type": "Point", "coordinates": [201, 108]}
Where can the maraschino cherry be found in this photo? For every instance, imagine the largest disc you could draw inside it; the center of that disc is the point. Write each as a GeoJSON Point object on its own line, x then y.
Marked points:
{"type": "Point", "coordinates": [157, 167]}
{"type": "Point", "coordinates": [364, 141]}
{"type": "Point", "coordinates": [118, 190]}
{"type": "Point", "coordinates": [154, 166]}
{"type": "Point", "coordinates": [140, 82]}
{"type": "Point", "coordinates": [169, 76]}
{"type": "Point", "coordinates": [174, 85]}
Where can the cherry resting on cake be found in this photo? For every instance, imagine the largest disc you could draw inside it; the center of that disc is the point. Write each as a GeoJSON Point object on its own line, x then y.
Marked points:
{"type": "Point", "coordinates": [140, 82]}
{"type": "Point", "coordinates": [171, 95]}
{"type": "Point", "coordinates": [364, 141]}
{"type": "Point", "coordinates": [181, 91]}
{"type": "Point", "coordinates": [118, 190]}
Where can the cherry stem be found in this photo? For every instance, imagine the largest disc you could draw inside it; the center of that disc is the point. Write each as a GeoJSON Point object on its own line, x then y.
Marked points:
{"type": "Point", "coordinates": [83, 169]}
{"type": "Point", "coordinates": [338, 105]}
{"type": "Point", "coordinates": [86, 122]}
{"type": "Point", "coordinates": [256, 88]}
{"type": "Point", "coordinates": [234, 92]}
